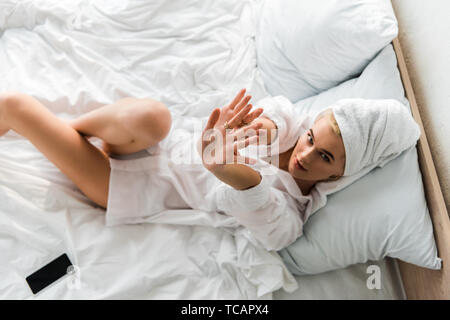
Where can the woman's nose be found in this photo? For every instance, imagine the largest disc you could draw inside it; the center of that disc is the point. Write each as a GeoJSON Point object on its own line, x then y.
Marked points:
{"type": "Point", "coordinates": [305, 155]}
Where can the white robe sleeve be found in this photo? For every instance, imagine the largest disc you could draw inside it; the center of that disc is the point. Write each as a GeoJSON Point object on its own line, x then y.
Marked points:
{"type": "Point", "coordinates": [270, 215]}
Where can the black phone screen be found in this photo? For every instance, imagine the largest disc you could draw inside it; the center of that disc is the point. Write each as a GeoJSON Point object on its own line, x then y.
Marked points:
{"type": "Point", "coordinates": [49, 273]}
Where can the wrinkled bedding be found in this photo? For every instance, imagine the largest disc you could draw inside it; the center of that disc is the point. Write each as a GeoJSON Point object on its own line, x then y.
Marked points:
{"type": "Point", "coordinates": [75, 56]}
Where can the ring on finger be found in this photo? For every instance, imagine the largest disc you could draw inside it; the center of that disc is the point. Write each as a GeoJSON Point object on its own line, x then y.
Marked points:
{"type": "Point", "coordinates": [226, 125]}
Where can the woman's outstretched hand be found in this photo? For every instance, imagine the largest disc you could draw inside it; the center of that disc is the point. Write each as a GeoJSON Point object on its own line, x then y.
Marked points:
{"type": "Point", "coordinates": [228, 130]}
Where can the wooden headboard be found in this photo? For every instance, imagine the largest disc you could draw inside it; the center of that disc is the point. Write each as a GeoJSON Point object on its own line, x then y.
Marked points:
{"type": "Point", "coordinates": [421, 283]}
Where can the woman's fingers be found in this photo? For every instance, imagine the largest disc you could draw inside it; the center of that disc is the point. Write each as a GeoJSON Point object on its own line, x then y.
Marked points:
{"type": "Point", "coordinates": [242, 104]}
{"type": "Point", "coordinates": [253, 115]}
{"type": "Point", "coordinates": [236, 99]}
{"type": "Point", "coordinates": [245, 143]}
{"type": "Point", "coordinates": [209, 126]}
{"type": "Point", "coordinates": [213, 117]}
{"type": "Point", "coordinates": [237, 119]}
{"type": "Point", "coordinates": [247, 131]}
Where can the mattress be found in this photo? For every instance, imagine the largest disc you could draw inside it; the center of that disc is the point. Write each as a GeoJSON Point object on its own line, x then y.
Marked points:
{"type": "Point", "coordinates": [77, 56]}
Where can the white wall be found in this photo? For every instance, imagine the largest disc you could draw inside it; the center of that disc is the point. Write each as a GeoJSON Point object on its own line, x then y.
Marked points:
{"type": "Point", "coordinates": [425, 38]}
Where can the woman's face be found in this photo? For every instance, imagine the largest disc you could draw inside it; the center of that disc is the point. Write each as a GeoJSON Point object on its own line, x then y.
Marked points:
{"type": "Point", "coordinates": [319, 154]}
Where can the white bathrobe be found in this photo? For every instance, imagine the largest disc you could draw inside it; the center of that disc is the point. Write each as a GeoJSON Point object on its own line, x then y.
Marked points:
{"type": "Point", "coordinates": [172, 186]}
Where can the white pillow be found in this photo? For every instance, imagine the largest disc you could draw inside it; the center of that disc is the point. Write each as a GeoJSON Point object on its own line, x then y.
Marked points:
{"type": "Point", "coordinates": [382, 214]}
{"type": "Point", "coordinates": [305, 46]}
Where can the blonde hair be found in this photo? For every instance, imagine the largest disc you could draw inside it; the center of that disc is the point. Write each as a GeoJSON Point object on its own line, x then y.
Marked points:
{"type": "Point", "coordinates": [328, 113]}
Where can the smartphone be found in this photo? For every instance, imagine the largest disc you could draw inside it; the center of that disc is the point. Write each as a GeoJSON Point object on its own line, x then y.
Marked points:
{"type": "Point", "coordinates": [49, 273]}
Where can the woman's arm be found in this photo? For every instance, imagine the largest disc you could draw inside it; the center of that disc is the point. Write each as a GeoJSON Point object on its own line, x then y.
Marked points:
{"type": "Point", "coordinates": [238, 176]}
{"type": "Point", "coordinates": [272, 217]}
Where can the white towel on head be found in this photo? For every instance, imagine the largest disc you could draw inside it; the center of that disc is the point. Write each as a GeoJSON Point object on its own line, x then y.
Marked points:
{"type": "Point", "coordinates": [373, 131]}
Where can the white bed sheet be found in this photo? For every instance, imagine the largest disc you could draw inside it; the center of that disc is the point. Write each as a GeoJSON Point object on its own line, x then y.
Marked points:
{"type": "Point", "coordinates": [75, 56]}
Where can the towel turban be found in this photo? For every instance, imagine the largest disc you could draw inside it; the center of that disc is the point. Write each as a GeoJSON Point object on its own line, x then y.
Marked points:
{"type": "Point", "coordinates": [373, 131]}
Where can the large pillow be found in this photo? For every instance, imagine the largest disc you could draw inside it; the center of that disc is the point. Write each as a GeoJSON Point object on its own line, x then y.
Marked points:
{"type": "Point", "coordinates": [382, 214]}
{"type": "Point", "coordinates": [306, 46]}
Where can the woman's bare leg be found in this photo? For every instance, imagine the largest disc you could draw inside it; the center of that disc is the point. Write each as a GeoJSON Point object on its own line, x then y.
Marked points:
{"type": "Point", "coordinates": [126, 126]}
{"type": "Point", "coordinates": [87, 166]}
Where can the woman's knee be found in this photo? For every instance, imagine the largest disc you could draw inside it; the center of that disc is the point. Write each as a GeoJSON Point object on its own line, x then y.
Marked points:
{"type": "Point", "coordinates": [150, 120]}
{"type": "Point", "coordinates": [14, 105]}
{"type": "Point", "coordinates": [11, 102]}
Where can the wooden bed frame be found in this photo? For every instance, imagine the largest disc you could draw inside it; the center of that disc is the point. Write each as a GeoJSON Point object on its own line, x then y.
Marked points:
{"type": "Point", "coordinates": [421, 283]}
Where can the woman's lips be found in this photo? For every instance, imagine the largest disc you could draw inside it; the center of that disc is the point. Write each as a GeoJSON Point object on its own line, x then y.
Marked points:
{"type": "Point", "coordinates": [298, 165]}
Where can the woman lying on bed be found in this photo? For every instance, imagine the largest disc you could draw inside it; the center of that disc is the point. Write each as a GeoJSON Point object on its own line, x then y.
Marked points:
{"type": "Point", "coordinates": [272, 205]}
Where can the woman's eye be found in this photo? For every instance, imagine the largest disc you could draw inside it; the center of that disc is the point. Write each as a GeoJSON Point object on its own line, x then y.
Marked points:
{"type": "Point", "coordinates": [310, 138]}
{"type": "Point", "coordinates": [325, 157]}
